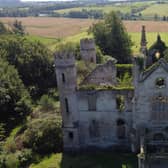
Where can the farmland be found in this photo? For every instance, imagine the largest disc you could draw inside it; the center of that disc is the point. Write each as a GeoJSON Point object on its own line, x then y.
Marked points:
{"type": "Point", "coordinates": [52, 27]}
{"type": "Point", "coordinates": [50, 31]}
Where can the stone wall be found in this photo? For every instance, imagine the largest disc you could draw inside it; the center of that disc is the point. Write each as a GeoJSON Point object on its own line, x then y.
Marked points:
{"type": "Point", "coordinates": [102, 75]}
{"type": "Point", "coordinates": [98, 127]}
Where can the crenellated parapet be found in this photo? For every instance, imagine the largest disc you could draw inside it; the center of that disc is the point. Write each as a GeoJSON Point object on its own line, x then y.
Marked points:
{"type": "Point", "coordinates": [87, 44]}
{"type": "Point", "coordinates": [87, 49]}
{"type": "Point", "coordinates": [64, 58]}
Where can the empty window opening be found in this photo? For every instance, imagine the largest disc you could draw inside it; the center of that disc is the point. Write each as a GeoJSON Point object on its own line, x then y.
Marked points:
{"type": "Point", "coordinates": [92, 60]}
{"type": "Point", "coordinates": [160, 82]}
{"type": "Point", "coordinates": [71, 135]}
{"type": "Point", "coordinates": [92, 102]}
{"type": "Point", "coordinates": [66, 105]}
{"type": "Point", "coordinates": [63, 77]}
{"type": "Point", "coordinates": [94, 129]}
{"type": "Point", "coordinates": [120, 103]}
{"type": "Point", "coordinates": [158, 137]}
{"type": "Point", "coordinates": [121, 130]}
{"type": "Point", "coordinates": [166, 129]}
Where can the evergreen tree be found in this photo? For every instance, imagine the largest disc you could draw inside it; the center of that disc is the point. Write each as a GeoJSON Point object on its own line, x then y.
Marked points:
{"type": "Point", "coordinates": [158, 47]}
{"type": "Point", "coordinates": [111, 36]}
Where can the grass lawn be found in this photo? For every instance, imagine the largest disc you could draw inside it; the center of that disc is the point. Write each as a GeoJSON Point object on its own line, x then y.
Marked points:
{"type": "Point", "coordinates": [96, 160]}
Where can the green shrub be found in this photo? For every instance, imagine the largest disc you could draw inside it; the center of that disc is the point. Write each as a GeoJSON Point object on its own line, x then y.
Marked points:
{"type": "Point", "coordinates": [43, 135]}
{"type": "Point", "coordinates": [124, 68]}
{"type": "Point", "coordinates": [12, 161]}
{"type": "Point", "coordinates": [46, 103]}
{"type": "Point", "coordinates": [126, 80]}
{"type": "Point", "coordinates": [25, 157]}
{"type": "Point", "coordinates": [16, 160]}
{"type": "Point", "coordinates": [84, 69]}
{"type": "Point", "coordinates": [2, 131]}
{"type": "Point", "coordinates": [99, 56]}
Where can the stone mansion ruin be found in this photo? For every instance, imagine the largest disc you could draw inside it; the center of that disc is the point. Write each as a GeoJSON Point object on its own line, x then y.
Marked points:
{"type": "Point", "coordinates": [93, 118]}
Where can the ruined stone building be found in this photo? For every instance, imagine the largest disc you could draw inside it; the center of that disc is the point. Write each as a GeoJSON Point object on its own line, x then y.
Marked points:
{"type": "Point", "coordinates": [131, 119]}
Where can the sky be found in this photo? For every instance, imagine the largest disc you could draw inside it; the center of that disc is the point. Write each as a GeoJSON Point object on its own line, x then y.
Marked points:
{"type": "Point", "coordinates": [44, 0]}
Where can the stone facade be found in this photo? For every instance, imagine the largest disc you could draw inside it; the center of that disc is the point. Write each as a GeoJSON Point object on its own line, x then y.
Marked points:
{"type": "Point", "coordinates": [94, 118]}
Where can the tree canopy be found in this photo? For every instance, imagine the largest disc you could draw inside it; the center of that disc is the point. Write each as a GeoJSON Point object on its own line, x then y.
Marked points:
{"type": "Point", "coordinates": [14, 99]}
{"type": "Point", "coordinates": [113, 39]}
{"type": "Point", "coordinates": [32, 60]}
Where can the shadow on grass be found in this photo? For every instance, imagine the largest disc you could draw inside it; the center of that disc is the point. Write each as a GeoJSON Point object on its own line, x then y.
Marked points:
{"type": "Point", "coordinates": [99, 160]}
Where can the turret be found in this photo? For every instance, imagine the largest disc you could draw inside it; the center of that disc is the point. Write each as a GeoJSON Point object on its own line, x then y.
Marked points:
{"type": "Point", "coordinates": [67, 83]}
{"type": "Point", "coordinates": [143, 48]}
{"type": "Point", "coordinates": [88, 51]}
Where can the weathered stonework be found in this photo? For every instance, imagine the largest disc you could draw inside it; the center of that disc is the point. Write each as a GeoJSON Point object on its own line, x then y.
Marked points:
{"type": "Point", "coordinates": [102, 75]}
{"type": "Point", "coordinates": [88, 50]}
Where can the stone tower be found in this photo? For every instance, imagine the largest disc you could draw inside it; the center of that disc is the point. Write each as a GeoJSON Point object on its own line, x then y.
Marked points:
{"type": "Point", "coordinates": [88, 51]}
{"type": "Point", "coordinates": [67, 83]}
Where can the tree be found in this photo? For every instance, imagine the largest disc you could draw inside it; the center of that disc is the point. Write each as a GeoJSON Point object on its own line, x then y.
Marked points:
{"type": "Point", "coordinates": [158, 46]}
{"type": "Point", "coordinates": [14, 99]}
{"type": "Point", "coordinates": [18, 28]}
{"type": "Point", "coordinates": [33, 61]}
{"type": "Point", "coordinates": [112, 38]}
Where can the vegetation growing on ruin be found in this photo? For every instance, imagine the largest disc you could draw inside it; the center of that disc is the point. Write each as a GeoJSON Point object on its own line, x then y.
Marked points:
{"type": "Point", "coordinates": [105, 87]}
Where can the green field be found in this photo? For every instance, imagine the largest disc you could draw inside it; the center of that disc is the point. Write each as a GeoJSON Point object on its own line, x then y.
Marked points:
{"type": "Point", "coordinates": [96, 160]}
{"type": "Point", "coordinates": [51, 43]}
{"type": "Point", "coordinates": [159, 9]}
{"type": "Point", "coordinates": [151, 38]}
{"type": "Point", "coordinates": [124, 8]}
{"type": "Point", "coordinates": [151, 9]}
{"type": "Point", "coordinates": [46, 41]}
{"type": "Point", "coordinates": [106, 9]}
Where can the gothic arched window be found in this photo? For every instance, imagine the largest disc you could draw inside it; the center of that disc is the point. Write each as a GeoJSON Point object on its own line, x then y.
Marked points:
{"type": "Point", "coordinates": [158, 137]}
